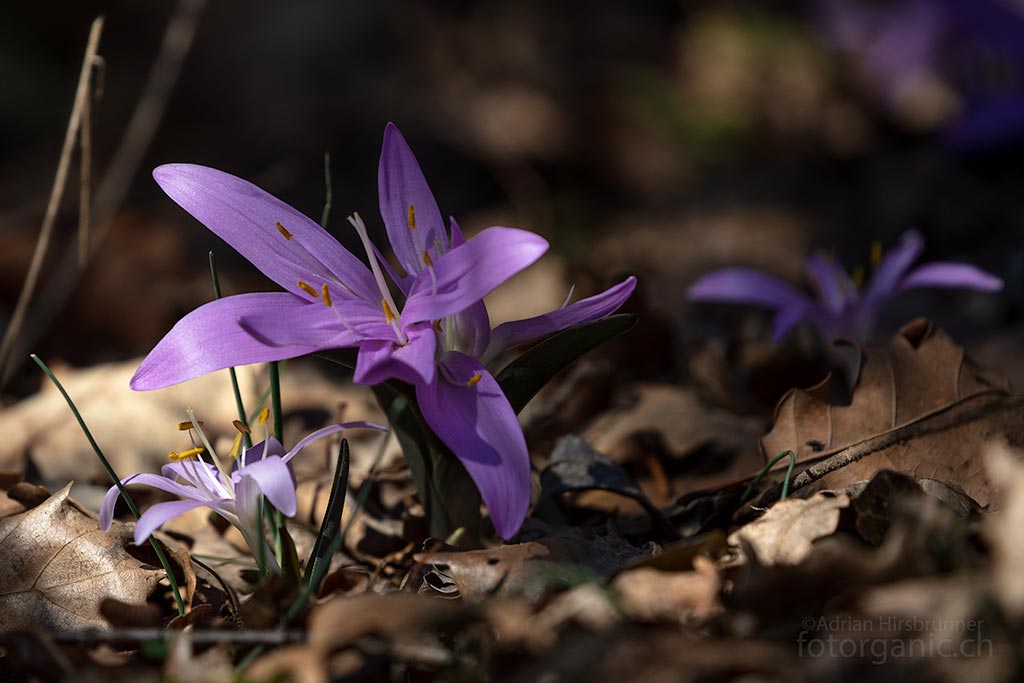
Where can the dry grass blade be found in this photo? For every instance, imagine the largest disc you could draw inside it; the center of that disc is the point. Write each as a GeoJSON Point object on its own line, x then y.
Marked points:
{"type": "Point", "coordinates": [141, 127]}
{"type": "Point", "coordinates": [56, 194]}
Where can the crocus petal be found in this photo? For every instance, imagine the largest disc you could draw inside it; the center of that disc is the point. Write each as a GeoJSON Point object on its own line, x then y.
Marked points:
{"type": "Point", "coordinates": [145, 479]}
{"type": "Point", "coordinates": [274, 479]}
{"type": "Point", "coordinates": [827, 278]}
{"type": "Point", "coordinates": [893, 267]}
{"type": "Point", "coordinates": [467, 273]}
{"type": "Point", "coordinates": [246, 217]}
{"type": "Point", "coordinates": [327, 431]}
{"type": "Point", "coordinates": [592, 308]}
{"type": "Point", "coordinates": [256, 452]}
{"type": "Point", "coordinates": [457, 239]}
{"type": "Point", "coordinates": [401, 186]}
{"type": "Point", "coordinates": [469, 331]}
{"type": "Point", "coordinates": [746, 286]}
{"type": "Point", "coordinates": [412, 362]}
{"type": "Point", "coordinates": [953, 275]}
{"type": "Point", "coordinates": [474, 419]}
{"type": "Point", "coordinates": [159, 514]}
{"type": "Point", "coordinates": [210, 338]}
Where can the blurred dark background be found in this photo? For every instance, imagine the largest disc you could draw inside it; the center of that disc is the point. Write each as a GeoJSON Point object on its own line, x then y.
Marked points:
{"type": "Point", "coordinates": [656, 138]}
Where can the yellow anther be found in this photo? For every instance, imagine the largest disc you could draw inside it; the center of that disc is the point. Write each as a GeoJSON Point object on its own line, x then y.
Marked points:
{"type": "Point", "coordinates": [388, 313]}
{"type": "Point", "coordinates": [184, 455]}
{"type": "Point", "coordinates": [236, 446]}
{"type": "Point", "coordinates": [264, 416]}
{"type": "Point", "coordinates": [876, 253]}
{"type": "Point", "coordinates": [426, 259]}
{"type": "Point", "coordinates": [858, 275]}
{"type": "Point", "coordinates": [326, 295]}
{"type": "Point", "coordinates": [473, 380]}
{"type": "Point", "coordinates": [185, 426]}
{"type": "Point", "coordinates": [308, 290]}
{"type": "Point", "coordinates": [241, 427]}
{"type": "Point", "coordinates": [412, 218]}
{"type": "Point", "coordinates": [284, 231]}
{"type": "Point", "coordinates": [437, 326]}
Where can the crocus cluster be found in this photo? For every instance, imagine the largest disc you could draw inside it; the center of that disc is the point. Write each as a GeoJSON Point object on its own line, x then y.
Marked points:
{"type": "Point", "coordinates": [838, 307]}
{"type": "Point", "coordinates": [426, 326]}
{"type": "Point", "coordinates": [234, 486]}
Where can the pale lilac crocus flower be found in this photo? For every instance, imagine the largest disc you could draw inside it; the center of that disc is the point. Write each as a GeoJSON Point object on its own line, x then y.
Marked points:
{"type": "Point", "coordinates": [234, 490]}
{"type": "Point", "coordinates": [838, 308]}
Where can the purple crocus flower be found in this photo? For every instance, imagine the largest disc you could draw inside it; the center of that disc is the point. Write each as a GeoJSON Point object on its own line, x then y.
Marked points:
{"type": "Point", "coordinates": [235, 493]}
{"type": "Point", "coordinates": [465, 406]}
{"type": "Point", "coordinates": [838, 308]}
{"type": "Point", "coordinates": [332, 300]}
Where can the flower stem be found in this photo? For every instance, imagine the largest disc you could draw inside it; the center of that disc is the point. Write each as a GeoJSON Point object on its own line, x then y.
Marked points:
{"type": "Point", "coordinates": [277, 519]}
{"type": "Point", "coordinates": [327, 182]}
{"type": "Point", "coordinates": [234, 375]}
{"type": "Point", "coordinates": [157, 548]}
{"type": "Point", "coordinates": [766, 468]}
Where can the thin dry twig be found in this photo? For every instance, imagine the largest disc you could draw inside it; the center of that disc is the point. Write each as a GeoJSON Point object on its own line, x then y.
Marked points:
{"type": "Point", "coordinates": [56, 193]}
{"type": "Point", "coordinates": [176, 43]}
{"type": "Point", "coordinates": [982, 405]}
{"type": "Point", "coordinates": [85, 174]}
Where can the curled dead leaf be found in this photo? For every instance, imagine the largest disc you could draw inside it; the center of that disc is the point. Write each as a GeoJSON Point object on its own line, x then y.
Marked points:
{"type": "Point", "coordinates": [921, 375]}
{"type": "Point", "coordinates": [648, 594]}
{"type": "Point", "coordinates": [57, 568]}
{"type": "Point", "coordinates": [785, 534]}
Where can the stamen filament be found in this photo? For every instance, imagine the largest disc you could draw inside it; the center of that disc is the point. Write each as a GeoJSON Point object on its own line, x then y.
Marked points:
{"type": "Point", "coordinates": [225, 475]}
{"type": "Point", "coordinates": [388, 303]}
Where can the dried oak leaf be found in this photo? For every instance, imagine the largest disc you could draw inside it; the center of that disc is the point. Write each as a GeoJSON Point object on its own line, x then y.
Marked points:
{"type": "Point", "coordinates": [919, 374]}
{"type": "Point", "coordinates": [785, 534]}
{"type": "Point", "coordinates": [57, 568]}
{"type": "Point", "coordinates": [647, 594]}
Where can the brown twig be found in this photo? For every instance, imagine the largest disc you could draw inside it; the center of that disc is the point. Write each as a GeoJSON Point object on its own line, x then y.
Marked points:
{"type": "Point", "coordinates": [85, 174]}
{"type": "Point", "coordinates": [114, 186]}
{"type": "Point", "coordinates": [56, 193]}
{"type": "Point", "coordinates": [956, 414]}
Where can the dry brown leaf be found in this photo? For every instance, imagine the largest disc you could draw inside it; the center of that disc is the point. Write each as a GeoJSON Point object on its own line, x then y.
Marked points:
{"type": "Point", "coordinates": [58, 567]}
{"type": "Point", "coordinates": [647, 594]}
{"type": "Point", "coordinates": [785, 534]}
{"type": "Point", "coordinates": [1003, 528]}
{"type": "Point", "coordinates": [919, 374]}
{"type": "Point", "coordinates": [683, 421]}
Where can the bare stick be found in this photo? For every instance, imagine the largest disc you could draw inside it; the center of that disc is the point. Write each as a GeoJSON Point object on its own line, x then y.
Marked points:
{"type": "Point", "coordinates": [141, 128]}
{"type": "Point", "coordinates": [956, 414]}
{"type": "Point", "coordinates": [56, 193]}
{"type": "Point", "coordinates": [85, 176]}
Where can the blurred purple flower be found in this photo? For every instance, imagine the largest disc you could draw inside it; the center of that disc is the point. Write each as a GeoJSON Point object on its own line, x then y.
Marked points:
{"type": "Point", "coordinates": [908, 50]}
{"type": "Point", "coordinates": [838, 308]}
{"type": "Point", "coordinates": [234, 493]}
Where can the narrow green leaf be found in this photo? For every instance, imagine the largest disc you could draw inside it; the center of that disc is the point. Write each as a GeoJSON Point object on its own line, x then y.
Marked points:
{"type": "Point", "coordinates": [525, 376]}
